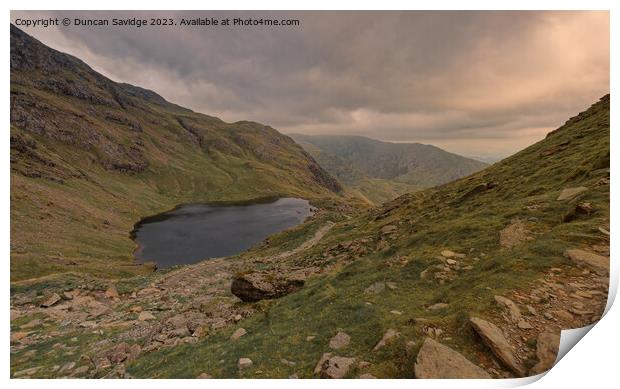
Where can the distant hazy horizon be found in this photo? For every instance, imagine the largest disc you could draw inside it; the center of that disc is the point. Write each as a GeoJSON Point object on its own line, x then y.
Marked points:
{"type": "Point", "coordinates": [476, 83]}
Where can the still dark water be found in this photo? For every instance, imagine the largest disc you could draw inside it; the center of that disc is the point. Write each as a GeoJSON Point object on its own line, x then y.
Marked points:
{"type": "Point", "coordinates": [194, 232]}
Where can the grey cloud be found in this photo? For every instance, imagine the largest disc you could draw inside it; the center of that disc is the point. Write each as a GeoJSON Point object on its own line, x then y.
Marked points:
{"type": "Point", "coordinates": [500, 80]}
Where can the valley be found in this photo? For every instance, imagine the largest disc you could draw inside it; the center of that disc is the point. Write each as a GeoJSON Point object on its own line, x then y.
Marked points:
{"type": "Point", "coordinates": [460, 270]}
{"type": "Point", "coordinates": [381, 171]}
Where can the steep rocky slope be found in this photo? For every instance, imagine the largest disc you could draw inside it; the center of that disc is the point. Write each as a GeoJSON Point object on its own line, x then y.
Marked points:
{"type": "Point", "coordinates": [380, 171]}
{"type": "Point", "coordinates": [474, 278]}
{"type": "Point", "coordinates": [90, 156]}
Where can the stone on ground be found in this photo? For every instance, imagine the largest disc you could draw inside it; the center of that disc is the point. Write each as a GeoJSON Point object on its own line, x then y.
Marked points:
{"type": "Point", "coordinates": [112, 292]}
{"type": "Point", "coordinates": [367, 376]}
{"type": "Point", "coordinates": [144, 316]}
{"type": "Point", "coordinates": [387, 337]}
{"type": "Point", "coordinates": [51, 300]}
{"type": "Point", "coordinates": [547, 347]}
{"type": "Point", "coordinates": [244, 363]}
{"type": "Point", "coordinates": [494, 339]}
{"type": "Point", "coordinates": [438, 306]}
{"type": "Point", "coordinates": [18, 335]}
{"type": "Point", "coordinates": [238, 333]}
{"type": "Point", "coordinates": [513, 309]}
{"type": "Point", "coordinates": [340, 340]}
{"type": "Point", "coordinates": [436, 360]}
{"type": "Point", "coordinates": [336, 367]}
{"type": "Point", "coordinates": [322, 360]}
{"type": "Point", "coordinates": [448, 253]}
{"type": "Point", "coordinates": [570, 193]}
{"type": "Point", "coordinates": [598, 262]}
{"type": "Point", "coordinates": [375, 288]}
{"type": "Point", "coordinates": [513, 234]}
{"type": "Point", "coordinates": [389, 229]}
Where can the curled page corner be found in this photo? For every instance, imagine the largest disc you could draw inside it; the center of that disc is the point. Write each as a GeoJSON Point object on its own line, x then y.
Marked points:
{"type": "Point", "coordinates": [569, 338]}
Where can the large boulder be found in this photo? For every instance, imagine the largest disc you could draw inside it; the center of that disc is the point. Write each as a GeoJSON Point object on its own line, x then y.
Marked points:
{"type": "Point", "coordinates": [256, 286]}
{"type": "Point", "coordinates": [438, 361]}
{"type": "Point", "coordinates": [494, 339]}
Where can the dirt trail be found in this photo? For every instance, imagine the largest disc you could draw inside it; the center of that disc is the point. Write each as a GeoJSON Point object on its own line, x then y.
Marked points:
{"type": "Point", "coordinates": [309, 243]}
{"type": "Point", "coordinates": [213, 271]}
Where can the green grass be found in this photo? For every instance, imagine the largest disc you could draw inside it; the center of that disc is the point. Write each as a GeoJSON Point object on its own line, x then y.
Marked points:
{"type": "Point", "coordinates": [428, 222]}
{"type": "Point", "coordinates": [72, 212]}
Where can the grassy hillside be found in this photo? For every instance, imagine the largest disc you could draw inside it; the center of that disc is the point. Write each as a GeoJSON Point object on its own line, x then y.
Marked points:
{"type": "Point", "coordinates": [399, 247]}
{"type": "Point", "coordinates": [418, 267]}
{"type": "Point", "coordinates": [382, 171]}
{"type": "Point", "coordinates": [90, 157]}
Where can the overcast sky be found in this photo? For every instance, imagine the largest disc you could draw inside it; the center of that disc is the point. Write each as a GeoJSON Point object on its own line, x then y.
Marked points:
{"type": "Point", "coordinates": [483, 84]}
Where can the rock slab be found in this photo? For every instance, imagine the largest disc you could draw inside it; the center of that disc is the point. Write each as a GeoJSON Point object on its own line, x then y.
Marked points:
{"type": "Point", "coordinates": [336, 367]}
{"type": "Point", "coordinates": [438, 361]}
{"type": "Point", "coordinates": [494, 339]}
{"type": "Point", "coordinates": [570, 193]}
{"type": "Point", "coordinates": [340, 340]}
{"type": "Point", "coordinates": [598, 262]}
{"type": "Point", "coordinates": [547, 347]}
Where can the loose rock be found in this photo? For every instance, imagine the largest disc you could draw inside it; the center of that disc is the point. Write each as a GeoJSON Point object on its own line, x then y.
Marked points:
{"type": "Point", "coordinates": [244, 363]}
{"type": "Point", "coordinates": [112, 292]}
{"type": "Point", "coordinates": [336, 367]}
{"type": "Point", "coordinates": [513, 234]}
{"type": "Point", "coordinates": [436, 360]}
{"type": "Point", "coordinates": [438, 306]}
{"type": "Point", "coordinates": [238, 333]}
{"type": "Point", "coordinates": [599, 263]}
{"type": "Point", "coordinates": [513, 309]}
{"type": "Point", "coordinates": [570, 193]}
{"type": "Point", "coordinates": [51, 300]}
{"type": "Point", "coordinates": [322, 360]}
{"type": "Point", "coordinates": [375, 288]}
{"type": "Point", "coordinates": [387, 337]}
{"type": "Point", "coordinates": [340, 340]}
{"type": "Point", "coordinates": [144, 316]}
{"type": "Point", "coordinates": [547, 347]}
{"type": "Point", "coordinates": [493, 338]}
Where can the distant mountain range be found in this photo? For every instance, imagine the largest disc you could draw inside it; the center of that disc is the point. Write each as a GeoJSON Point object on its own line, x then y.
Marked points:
{"type": "Point", "coordinates": [381, 171]}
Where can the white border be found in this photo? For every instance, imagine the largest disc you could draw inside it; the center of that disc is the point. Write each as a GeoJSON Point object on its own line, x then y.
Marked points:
{"type": "Point", "coordinates": [593, 363]}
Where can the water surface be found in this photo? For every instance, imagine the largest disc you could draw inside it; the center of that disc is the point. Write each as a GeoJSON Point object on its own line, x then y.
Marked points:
{"type": "Point", "coordinates": [193, 232]}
